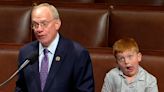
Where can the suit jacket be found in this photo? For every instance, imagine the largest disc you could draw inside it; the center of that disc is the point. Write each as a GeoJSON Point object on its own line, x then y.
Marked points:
{"type": "Point", "coordinates": [71, 73]}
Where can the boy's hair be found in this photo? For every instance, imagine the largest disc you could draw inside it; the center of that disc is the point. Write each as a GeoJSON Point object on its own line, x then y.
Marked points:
{"type": "Point", "coordinates": [125, 44]}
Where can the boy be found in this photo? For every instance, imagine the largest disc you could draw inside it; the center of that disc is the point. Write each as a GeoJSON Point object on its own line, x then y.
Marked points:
{"type": "Point", "coordinates": [129, 76]}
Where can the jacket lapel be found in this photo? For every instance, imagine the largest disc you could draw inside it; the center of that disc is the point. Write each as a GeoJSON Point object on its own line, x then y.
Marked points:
{"type": "Point", "coordinates": [57, 61]}
{"type": "Point", "coordinates": [34, 69]}
{"type": "Point", "coordinates": [35, 74]}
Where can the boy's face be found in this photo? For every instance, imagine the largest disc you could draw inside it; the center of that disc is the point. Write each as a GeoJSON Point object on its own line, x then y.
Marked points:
{"type": "Point", "coordinates": [128, 62]}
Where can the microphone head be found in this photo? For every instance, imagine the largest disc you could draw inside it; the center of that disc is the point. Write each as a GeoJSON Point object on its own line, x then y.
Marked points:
{"type": "Point", "coordinates": [33, 57]}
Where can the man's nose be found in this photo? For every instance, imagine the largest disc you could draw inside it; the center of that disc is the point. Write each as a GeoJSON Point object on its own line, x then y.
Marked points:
{"type": "Point", "coordinates": [39, 29]}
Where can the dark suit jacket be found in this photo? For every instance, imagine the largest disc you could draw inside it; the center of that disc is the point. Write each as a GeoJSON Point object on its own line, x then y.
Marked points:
{"type": "Point", "coordinates": [72, 73]}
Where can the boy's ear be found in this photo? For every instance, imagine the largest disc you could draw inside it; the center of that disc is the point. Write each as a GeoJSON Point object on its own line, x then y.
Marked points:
{"type": "Point", "coordinates": [139, 57]}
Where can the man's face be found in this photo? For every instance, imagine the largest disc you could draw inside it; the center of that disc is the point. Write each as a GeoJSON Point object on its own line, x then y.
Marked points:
{"type": "Point", "coordinates": [128, 62]}
{"type": "Point", "coordinates": [45, 26]}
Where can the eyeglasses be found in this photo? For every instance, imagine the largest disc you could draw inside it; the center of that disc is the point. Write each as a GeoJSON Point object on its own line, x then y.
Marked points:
{"type": "Point", "coordinates": [123, 58]}
{"type": "Point", "coordinates": [42, 24]}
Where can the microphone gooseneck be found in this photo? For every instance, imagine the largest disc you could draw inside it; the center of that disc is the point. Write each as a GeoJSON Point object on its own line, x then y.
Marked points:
{"type": "Point", "coordinates": [15, 73]}
{"type": "Point", "coordinates": [29, 60]}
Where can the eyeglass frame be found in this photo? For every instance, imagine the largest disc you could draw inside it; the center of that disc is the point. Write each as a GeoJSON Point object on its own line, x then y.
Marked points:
{"type": "Point", "coordinates": [123, 58]}
{"type": "Point", "coordinates": [42, 24]}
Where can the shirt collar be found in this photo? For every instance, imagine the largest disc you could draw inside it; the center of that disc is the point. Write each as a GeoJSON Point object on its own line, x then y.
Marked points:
{"type": "Point", "coordinates": [140, 74]}
{"type": "Point", "coordinates": [52, 47]}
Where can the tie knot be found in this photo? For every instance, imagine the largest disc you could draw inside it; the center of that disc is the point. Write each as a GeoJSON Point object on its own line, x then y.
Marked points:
{"type": "Point", "coordinates": [45, 51]}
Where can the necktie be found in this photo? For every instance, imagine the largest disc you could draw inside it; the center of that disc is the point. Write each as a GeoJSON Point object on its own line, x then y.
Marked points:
{"type": "Point", "coordinates": [44, 69]}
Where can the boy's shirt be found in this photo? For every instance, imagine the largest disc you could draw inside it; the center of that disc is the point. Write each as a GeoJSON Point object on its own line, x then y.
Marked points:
{"type": "Point", "coordinates": [115, 82]}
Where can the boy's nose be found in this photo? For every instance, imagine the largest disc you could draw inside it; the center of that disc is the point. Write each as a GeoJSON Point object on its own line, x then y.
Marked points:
{"type": "Point", "coordinates": [126, 60]}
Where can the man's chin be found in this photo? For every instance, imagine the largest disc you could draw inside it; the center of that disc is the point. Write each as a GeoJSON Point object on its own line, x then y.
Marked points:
{"type": "Point", "coordinates": [44, 43]}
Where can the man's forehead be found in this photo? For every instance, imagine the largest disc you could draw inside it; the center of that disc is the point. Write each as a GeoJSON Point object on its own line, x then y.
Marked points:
{"type": "Point", "coordinates": [41, 10]}
{"type": "Point", "coordinates": [41, 14]}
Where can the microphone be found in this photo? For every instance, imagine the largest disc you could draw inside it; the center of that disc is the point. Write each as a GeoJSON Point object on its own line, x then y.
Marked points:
{"type": "Point", "coordinates": [29, 60]}
{"type": "Point", "coordinates": [32, 58]}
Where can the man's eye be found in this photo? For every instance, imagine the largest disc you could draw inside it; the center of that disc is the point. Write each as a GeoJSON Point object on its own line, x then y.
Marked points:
{"type": "Point", "coordinates": [44, 24]}
{"type": "Point", "coordinates": [34, 25]}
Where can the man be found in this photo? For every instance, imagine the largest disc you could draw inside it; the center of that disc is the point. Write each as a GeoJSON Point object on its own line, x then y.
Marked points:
{"type": "Point", "coordinates": [69, 67]}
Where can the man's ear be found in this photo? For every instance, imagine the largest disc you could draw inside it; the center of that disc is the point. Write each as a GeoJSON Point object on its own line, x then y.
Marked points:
{"type": "Point", "coordinates": [57, 24]}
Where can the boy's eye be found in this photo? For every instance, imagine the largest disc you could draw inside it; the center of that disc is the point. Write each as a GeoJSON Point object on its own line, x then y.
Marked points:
{"type": "Point", "coordinates": [120, 59]}
{"type": "Point", "coordinates": [129, 56]}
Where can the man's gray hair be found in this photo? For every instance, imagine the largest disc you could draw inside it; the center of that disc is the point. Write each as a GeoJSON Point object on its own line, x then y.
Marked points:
{"type": "Point", "coordinates": [51, 7]}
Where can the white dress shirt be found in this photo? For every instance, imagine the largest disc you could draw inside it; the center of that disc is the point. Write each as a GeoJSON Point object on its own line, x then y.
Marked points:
{"type": "Point", "coordinates": [51, 48]}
